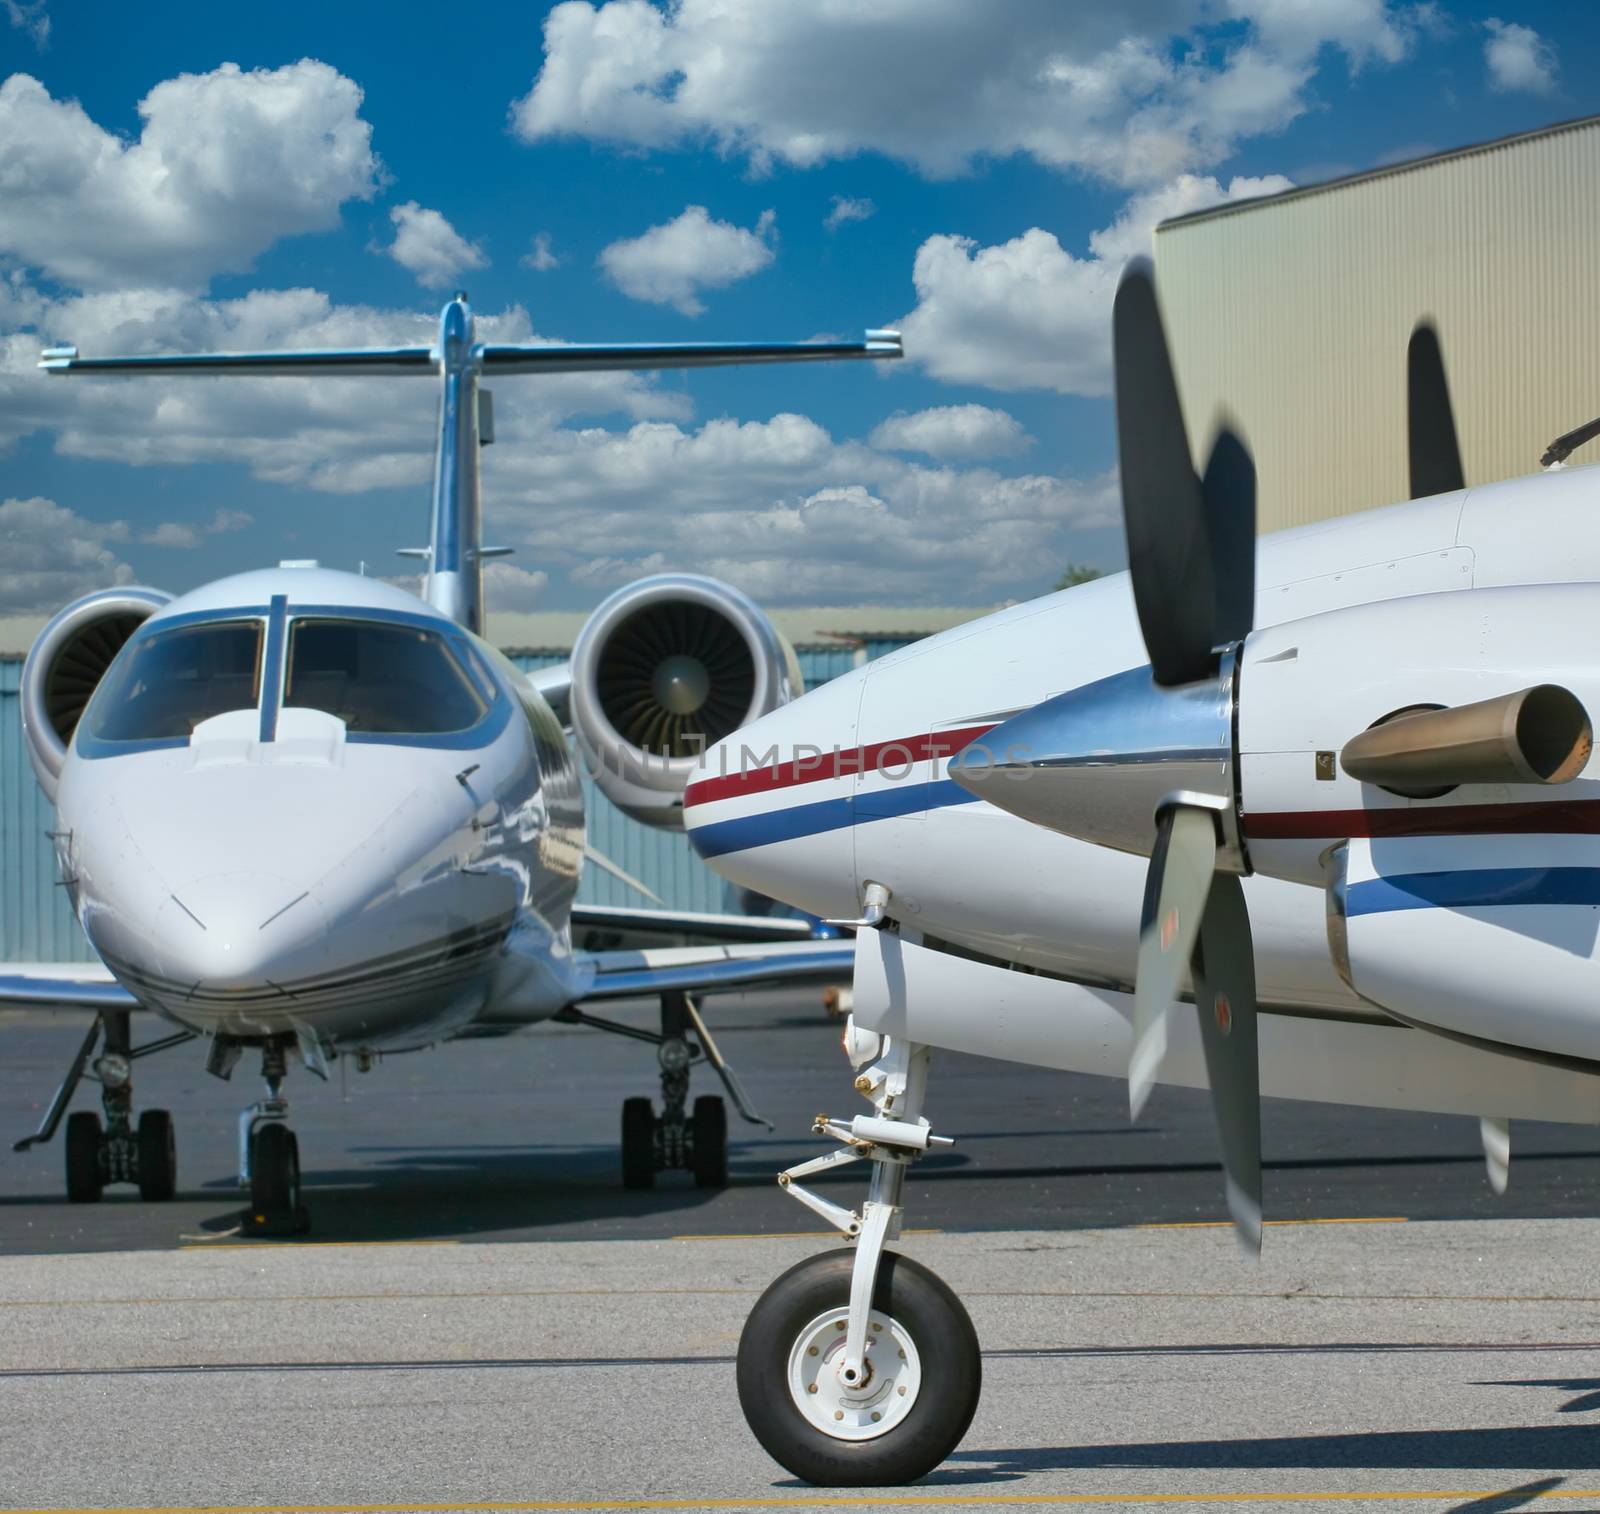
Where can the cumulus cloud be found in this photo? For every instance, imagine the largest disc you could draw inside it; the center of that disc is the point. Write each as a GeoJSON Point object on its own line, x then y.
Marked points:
{"type": "Point", "coordinates": [508, 587]}
{"type": "Point", "coordinates": [429, 247]}
{"type": "Point", "coordinates": [668, 264]}
{"type": "Point", "coordinates": [1131, 92]}
{"type": "Point", "coordinates": [787, 512]}
{"type": "Point", "coordinates": [333, 435]}
{"type": "Point", "coordinates": [226, 164]}
{"type": "Point", "coordinates": [53, 555]}
{"type": "Point", "coordinates": [539, 257]}
{"type": "Point", "coordinates": [30, 16]}
{"type": "Point", "coordinates": [171, 533]}
{"type": "Point", "coordinates": [846, 210]}
{"type": "Point", "coordinates": [1518, 58]}
{"type": "Point", "coordinates": [964, 431]}
{"type": "Point", "coordinates": [1027, 314]}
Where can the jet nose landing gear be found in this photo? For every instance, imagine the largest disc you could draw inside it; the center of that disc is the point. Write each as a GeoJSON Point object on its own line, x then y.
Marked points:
{"type": "Point", "coordinates": [269, 1157]}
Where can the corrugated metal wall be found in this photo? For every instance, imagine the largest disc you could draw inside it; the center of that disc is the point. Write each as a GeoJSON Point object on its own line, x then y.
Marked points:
{"type": "Point", "coordinates": [1294, 316]}
{"type": "Point", "coordinates": [37, 925]}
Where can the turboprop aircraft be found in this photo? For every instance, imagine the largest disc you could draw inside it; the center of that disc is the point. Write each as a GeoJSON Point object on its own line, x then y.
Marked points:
{"type": "Point", "coordinates": [1336, 790]}
{"type": "Point", "coordinates": [304, 812]}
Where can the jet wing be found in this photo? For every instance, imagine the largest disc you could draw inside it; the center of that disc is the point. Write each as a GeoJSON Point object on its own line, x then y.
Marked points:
{"type": "Point", "coordinates": [708, 969]}
{"type": "Point", "coordinates": [689, 925]}
{"type": "Point", "coordinates": [62, 985]}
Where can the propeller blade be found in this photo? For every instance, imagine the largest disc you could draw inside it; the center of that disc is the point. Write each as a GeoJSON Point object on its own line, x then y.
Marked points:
{"type": "Point", "coordinates": [1180, 877]}
{"type": "Point", "coordinates": [1225, 995]}
{"type": "Point", "coordinates": [1163, 509]}
{"type": "Point", "coordinates": [1496, 1136]}
{"type": "Point", "coordinates": [1229, 490]}
{"type": "Point", "coordinates": [1430, 421]}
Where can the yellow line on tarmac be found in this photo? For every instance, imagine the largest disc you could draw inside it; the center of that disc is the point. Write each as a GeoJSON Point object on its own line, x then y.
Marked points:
{"type": "Point", "coordinates": [301, 1245]}
{"type": "Point", "coordinates": [1365, 1219]}
{"type": "Point", "coordinates": [910, 1499]}
{"type": "Point", "coordinates": [789, 1235]}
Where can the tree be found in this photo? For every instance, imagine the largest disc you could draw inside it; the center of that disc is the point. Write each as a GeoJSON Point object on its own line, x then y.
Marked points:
{"type": "Point", "coordinates": [1078, 573]}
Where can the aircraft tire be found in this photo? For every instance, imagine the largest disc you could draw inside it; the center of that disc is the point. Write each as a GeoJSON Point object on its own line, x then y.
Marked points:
{"type": "Point", "coordinates": [157, 1156]}
{"type": "Point", "coordinates": [86, 1178]}
{"type": "Point", "coordinates": [638, 1144]}
{"type": "Point", "coordinates": [710, 1135]}
{"type": "Point", "coordinates": [275, 1172]}
{"type": "Point", "coordinates": [911, 1412]}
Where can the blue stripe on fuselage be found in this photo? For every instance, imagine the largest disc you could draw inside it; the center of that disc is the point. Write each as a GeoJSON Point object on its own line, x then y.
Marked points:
{"type": "Point", "coordinates": [768, 826]}
{"type": "Point", "coordinates": [1476, 888]}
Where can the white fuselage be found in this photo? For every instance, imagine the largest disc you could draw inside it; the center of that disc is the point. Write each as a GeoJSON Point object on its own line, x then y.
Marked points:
{"type": "Point", "coordinates": [297, 862]}
{"type": "Point", "coordinates": [849, 786]}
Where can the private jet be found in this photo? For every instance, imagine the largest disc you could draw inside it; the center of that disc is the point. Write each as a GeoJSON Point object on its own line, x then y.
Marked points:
{"type": "Point", "coordinates": [306, 814]}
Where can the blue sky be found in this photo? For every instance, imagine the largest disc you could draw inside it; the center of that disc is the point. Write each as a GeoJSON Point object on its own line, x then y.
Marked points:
{"type": "Point", "coordinates": [994, 161]}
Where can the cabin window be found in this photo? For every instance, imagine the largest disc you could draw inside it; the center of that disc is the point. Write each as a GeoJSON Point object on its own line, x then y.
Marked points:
{"type": "Point", "coordinates": [166, 683]}
{"type": "Point", "coordinates": [380, 679]}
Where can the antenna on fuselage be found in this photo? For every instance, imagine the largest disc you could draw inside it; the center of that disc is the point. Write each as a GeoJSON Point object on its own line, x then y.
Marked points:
{"type": "Point", "coordinates": [455, 554]}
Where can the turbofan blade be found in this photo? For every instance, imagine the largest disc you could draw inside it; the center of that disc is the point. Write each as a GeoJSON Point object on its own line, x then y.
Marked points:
{"type": "Point", "coordinates": [1180, 877]}
{"type": "Point", "coordinates": [1163, 509]}
{"type": "Point", "coordinates": [1229, 490]}
{"type": "Point", "coordinates": [1430, 421]}
{"type": "Point", "coordinates": [1225, 995]}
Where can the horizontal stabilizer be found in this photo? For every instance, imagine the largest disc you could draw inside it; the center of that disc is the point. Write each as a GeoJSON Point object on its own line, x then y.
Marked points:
{"type": "Point", "coordinates": [322, 363]}
{"type": "Point", "coordinates": [554, 357]}
{"type": "Point", "coordinates": [599, 357]}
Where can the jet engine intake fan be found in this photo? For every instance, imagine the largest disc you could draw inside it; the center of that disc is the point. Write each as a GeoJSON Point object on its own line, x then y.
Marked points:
{"type": "Point", "coordinates": [664, 669]}
{"type": "Point", "coordinates": [64, 667]}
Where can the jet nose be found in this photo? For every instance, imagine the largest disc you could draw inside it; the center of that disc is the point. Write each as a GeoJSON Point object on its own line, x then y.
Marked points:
{"type": "Point", "coordinates": [239, 931]}
{"type": "Point", "coordinates": [769, 808]}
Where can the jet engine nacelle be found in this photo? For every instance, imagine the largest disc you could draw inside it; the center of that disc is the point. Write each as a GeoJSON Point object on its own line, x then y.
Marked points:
{"type": "Point", "coordinates": [664, 669]}
{"type": "Point", "coordinates": [65, 664]}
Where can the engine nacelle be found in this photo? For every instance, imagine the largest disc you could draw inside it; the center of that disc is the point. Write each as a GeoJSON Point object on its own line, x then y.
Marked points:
{"type": "Point", "coordinates": [65, 665]}
{"type": "Point", "coordinates": [664, 669]}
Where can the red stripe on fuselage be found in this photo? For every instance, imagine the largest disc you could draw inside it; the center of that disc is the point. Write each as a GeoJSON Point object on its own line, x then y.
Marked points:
{"type": "Point", "coordinates": [1553, 817]}
{"type": "Point", "coordinates": [906, 752]}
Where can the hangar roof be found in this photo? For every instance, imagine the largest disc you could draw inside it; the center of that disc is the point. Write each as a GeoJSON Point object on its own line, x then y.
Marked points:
{"type": "Point", "coordinates": [1405, 165]}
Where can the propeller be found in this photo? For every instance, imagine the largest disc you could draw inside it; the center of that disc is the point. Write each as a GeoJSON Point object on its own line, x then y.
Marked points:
{"type": "Point", "coordinates": [1431, 443]}
{"type": "Point", "coordinates": [1191, 558]}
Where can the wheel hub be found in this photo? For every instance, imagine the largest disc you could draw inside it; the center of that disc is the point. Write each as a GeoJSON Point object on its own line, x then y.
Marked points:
{"type": "Point", "coordinates": [864, 1410]}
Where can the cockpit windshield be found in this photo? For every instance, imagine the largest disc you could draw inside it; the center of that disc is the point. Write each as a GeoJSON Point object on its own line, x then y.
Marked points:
{"type": "Point", "coordinates": [170, 681]}
{"type": "Point", "coordinates": [380, 678]}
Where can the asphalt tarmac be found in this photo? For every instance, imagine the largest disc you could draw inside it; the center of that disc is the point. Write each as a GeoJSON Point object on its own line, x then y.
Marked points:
{"type": "Point", "coordinates": [483, 1319]}
{"type": "Point", "coordinates": [516, 1139]}
{"type": "Point", "coordinates": [1428, 1366]}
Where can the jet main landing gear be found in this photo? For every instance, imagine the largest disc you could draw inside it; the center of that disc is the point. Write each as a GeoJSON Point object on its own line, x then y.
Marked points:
{"type": "Point", "coordinates": [678, 1139]}
{"type": "Point", "coordinates": [115, 1150]}
{"type": "Point", "coordinates": [861, 1368]}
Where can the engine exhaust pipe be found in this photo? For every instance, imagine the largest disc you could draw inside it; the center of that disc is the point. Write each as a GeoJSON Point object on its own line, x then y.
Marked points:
{"type": "Point", "coordinates": [1539, 735]}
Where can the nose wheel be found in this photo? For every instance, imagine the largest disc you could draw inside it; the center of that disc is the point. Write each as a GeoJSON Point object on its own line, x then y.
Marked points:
{"type": "Point", "coordinates": [908, 1405]}
{"type": "Point", "coordinates": [269, 1157]}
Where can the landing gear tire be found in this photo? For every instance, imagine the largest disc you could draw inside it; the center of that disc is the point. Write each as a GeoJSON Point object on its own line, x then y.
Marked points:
{"type": "Point", "coordinates": [86, 1177]}
{"type": "Point", "coordinates": [157, 1156]}
{"type": "Point", "coordinates": [921, 1391]}
{"type": "Point", "coordinates": [709, 1133]}
{"type": "Point", "coordinates": [275, 1174]}
{"type": "Point", "coordinates": [638, 1144]}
